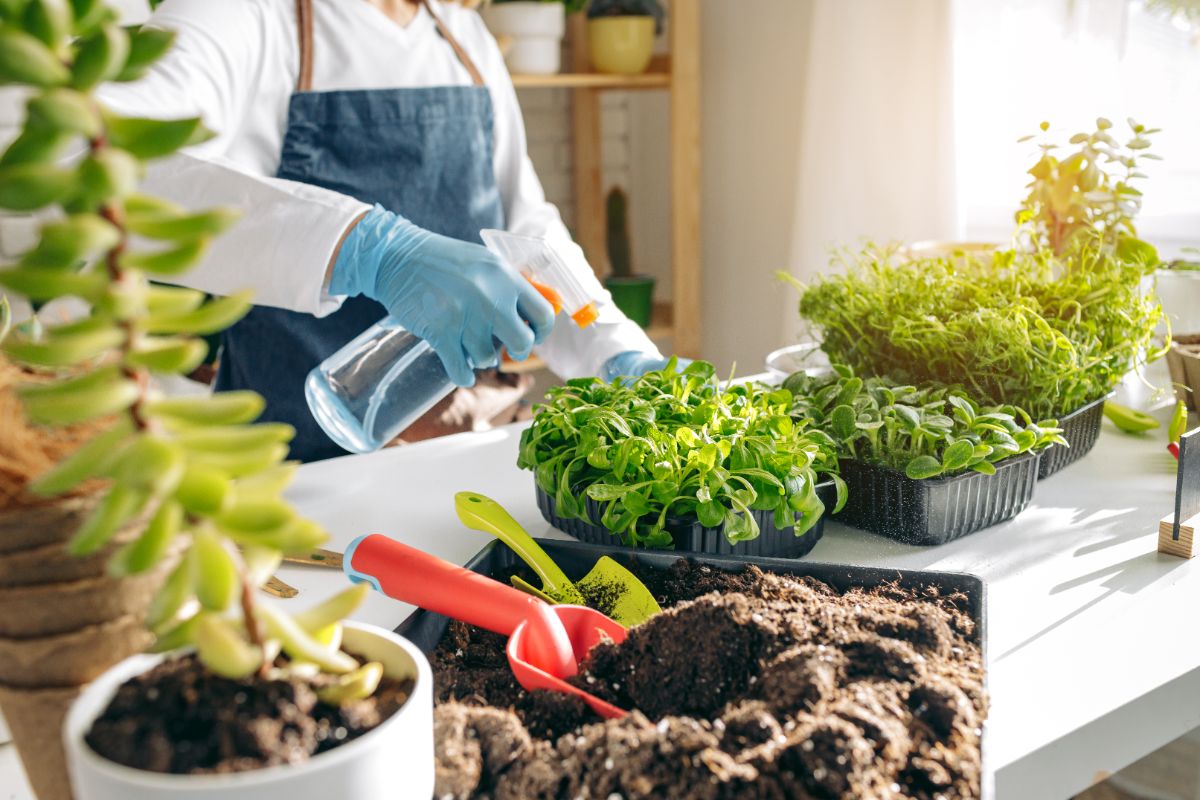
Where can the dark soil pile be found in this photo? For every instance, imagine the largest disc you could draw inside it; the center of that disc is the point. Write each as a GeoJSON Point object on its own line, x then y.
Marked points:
{"type": "Point", "coordinates": [181, 718]}
{"type": "Point", "coordinates": [751, 685]}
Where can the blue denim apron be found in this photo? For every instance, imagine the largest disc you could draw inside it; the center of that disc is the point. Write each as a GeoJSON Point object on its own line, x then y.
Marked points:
{"type": "Point", "coordinates": [425, 154]}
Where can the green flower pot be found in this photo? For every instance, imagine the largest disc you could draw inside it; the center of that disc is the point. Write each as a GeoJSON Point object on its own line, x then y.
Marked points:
{"type": "Point", "coordinates": [634, 296]}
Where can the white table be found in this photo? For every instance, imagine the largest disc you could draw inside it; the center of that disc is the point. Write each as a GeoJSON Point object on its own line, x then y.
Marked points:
{"type": "Point", "coordinates": [1093, 657]}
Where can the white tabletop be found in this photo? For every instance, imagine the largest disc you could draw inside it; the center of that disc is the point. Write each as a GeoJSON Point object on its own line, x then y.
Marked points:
{"type": "Point", "coordinates": [1093, 656]}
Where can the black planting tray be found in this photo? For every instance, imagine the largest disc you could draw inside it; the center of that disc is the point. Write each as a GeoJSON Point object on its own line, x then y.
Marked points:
{"type": "Point", "coordinates": [1081, 429]}
{"type": "Point", "coordinates": [935, 510]}
{"type": "Point", "coordinates": [692, 537]}
{"type": "Point", "coordinates": [426, 629]}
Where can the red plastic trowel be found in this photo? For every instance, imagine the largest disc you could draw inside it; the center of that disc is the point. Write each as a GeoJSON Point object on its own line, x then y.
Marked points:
{"type": "Point", "coordinates": [545, 642]}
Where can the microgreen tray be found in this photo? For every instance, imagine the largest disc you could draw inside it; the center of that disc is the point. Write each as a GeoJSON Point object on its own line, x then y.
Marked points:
{"type": "Point", "coordinates": [1081, 429]}
{"type": "Point", "coordinates": [692, 537]}
{"type": "Point", "coordinates": [425, 629]}
{"type": "Point", "coordinates": [935, 510]}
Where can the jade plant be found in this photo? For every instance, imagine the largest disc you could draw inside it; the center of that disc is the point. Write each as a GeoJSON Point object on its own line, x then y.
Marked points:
{"type": "Point", "coordinates": [676, 444]}
{"type": "Point", "coordinates": [924, 433]}
{"type": "Point", "coordinates": [191, 471]}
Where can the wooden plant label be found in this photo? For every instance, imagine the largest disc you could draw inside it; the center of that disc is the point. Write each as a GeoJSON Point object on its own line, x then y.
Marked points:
{"type": "Point", "coordinates": [1177, 532]}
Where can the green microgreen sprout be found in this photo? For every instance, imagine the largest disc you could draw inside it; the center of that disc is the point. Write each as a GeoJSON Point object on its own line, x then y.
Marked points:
{"type": "Point", "coordinates": [924, 433]}
{"type": "Point", "coordinates": [677, 445]}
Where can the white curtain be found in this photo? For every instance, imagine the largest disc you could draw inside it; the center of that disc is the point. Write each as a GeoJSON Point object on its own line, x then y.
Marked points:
{"type": "Point", "coordinates": [877, 131]}
{"type": "Point", "coordinates": [1067, 62]}
{"type": "Point", "coordinates": [912, 110]}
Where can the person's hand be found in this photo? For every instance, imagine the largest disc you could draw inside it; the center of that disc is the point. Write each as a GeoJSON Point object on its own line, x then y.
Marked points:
{"type": "Point", "coordinates": [634, 364]}
{"type": "Point", "coordinates": [455, 295]}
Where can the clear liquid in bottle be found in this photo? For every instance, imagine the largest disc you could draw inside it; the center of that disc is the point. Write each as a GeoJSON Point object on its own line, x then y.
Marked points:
{"type": "Point", "coordinates": [376, 386]}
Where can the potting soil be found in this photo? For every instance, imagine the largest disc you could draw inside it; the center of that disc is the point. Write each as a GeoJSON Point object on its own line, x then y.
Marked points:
{"type": "Point", "coordinates": [181, 718]}
{"type": "Point", "coordinates": [750, 685]}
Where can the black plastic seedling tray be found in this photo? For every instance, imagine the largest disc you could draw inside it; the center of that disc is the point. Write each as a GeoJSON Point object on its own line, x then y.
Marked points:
{"type": "Point", "coordinates": [426, 629]}
{"type": "Point", "coordinates": [692, 537]}
{"type": "Point", "coordinates": [935, 510]}
{"type": "Point", "coordinates": [1081, 429]}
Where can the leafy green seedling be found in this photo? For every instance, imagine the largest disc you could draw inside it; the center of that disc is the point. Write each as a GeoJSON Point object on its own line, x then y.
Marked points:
{"type": "Point", "coordinates": [924, 433]}
{"type": "Point", "coordinates": [676, 444]}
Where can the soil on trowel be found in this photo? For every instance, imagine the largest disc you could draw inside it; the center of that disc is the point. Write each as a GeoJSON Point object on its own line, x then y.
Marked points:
{"type": "Point", "coordinates": [749, 685]}
{"type": "Point", "coordinates": [180, 718]}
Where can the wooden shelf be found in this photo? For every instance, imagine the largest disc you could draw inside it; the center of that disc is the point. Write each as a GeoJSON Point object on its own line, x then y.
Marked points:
{"type": "Point", "coordinates": [662, 322]}
{"type": "Point", "coordinates": [593, 80]}
{"type": "Point", "coordinates": [678, 73]}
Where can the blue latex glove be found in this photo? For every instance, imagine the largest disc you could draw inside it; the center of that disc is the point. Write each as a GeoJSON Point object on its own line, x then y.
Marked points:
{"type": "Point", "coordinates": [634, 364]}
{"type": "Point", "coordinates": [455, 295]}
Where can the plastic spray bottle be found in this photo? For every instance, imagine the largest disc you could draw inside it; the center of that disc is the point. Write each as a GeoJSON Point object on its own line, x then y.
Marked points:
{"type": "Point", "coordinates": [384, 380]}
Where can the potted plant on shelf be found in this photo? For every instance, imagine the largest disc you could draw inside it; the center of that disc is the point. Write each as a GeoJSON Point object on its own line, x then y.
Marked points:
{"type": "Point", "coordinates": [621, 34]}
{"type": "Point", "coordinates": [129, 518]}
{"type": "Point", "coordinates": [530, 32]}
{"type": "Point", "coordinates": [632, 293]}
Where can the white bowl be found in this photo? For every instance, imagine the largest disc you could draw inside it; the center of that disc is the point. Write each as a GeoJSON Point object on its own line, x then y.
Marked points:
{"type": "Point", "coordinates": [1179, 293]}
{"type": "Point", "coordinates": [393, 761]}
{"type": "Point", "coordinates": [805, 357]}
{"type": "Point", "coordinates": [526, 18]}
{"type": "Point", "coordinates": [534, 33]}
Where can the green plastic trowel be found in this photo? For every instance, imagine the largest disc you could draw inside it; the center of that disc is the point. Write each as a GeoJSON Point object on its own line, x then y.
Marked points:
{"type": "Point", "coordinates": [632, 601]}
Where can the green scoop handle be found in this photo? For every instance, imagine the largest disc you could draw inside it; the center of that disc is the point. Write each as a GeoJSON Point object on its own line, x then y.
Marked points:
{"type": "Point", "coordinates": [484, 514]}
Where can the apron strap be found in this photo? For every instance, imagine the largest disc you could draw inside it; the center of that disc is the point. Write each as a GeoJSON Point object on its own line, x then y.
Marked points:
{"type": "Point", "coordinates": [464, 59]}
{"type": "Point", "coordinates": [304, 25]}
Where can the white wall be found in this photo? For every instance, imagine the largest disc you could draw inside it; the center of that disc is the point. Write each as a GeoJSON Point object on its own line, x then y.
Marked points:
{"type": "Point", "coordinates": [752, 61]}
{"type": "Point", "coordinates": [547, 115]}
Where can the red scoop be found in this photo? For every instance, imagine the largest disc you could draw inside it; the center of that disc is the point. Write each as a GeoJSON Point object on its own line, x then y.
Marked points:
{"type": "Point", "coordinates": [545, 642]}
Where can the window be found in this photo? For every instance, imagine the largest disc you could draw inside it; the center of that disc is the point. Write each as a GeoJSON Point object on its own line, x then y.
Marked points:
{"type": "Point", "coordinates": [1019, 62]}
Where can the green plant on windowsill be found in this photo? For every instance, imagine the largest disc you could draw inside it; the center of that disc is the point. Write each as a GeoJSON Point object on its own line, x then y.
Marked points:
{"type": "Point", "coordinates": [1089, 191]}
{"type": "Point", "coordinates": [190, 467]}
{"type": "Point", "coordinates": [1187, 10]}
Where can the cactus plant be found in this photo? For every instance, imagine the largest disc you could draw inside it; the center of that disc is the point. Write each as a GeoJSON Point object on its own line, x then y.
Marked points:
{"type": "Point", "coordinates": [191, 467]}
{"type": "Point", "coordinates": [620, 255]}
{"type": "Point", "coordinates": [632, 293]}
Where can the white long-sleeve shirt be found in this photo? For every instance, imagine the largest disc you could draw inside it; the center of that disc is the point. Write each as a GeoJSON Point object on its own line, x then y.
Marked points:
{"type": "Point", "coordinates": [235, 64]}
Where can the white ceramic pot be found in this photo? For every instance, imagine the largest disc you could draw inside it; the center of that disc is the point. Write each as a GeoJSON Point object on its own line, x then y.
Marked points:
{"type": "Point", "coordinates": [533, 32]}
{"type": "Point", "coordinates": [393, 761]}
{"type": "Point", "coordinates": [804, 357]}
{"type": "Point", "coordinates": [1179, 293]}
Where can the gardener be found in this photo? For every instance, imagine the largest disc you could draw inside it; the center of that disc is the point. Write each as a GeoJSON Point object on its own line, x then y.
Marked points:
{"type": "Point", "coordinates": [367, 142]}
